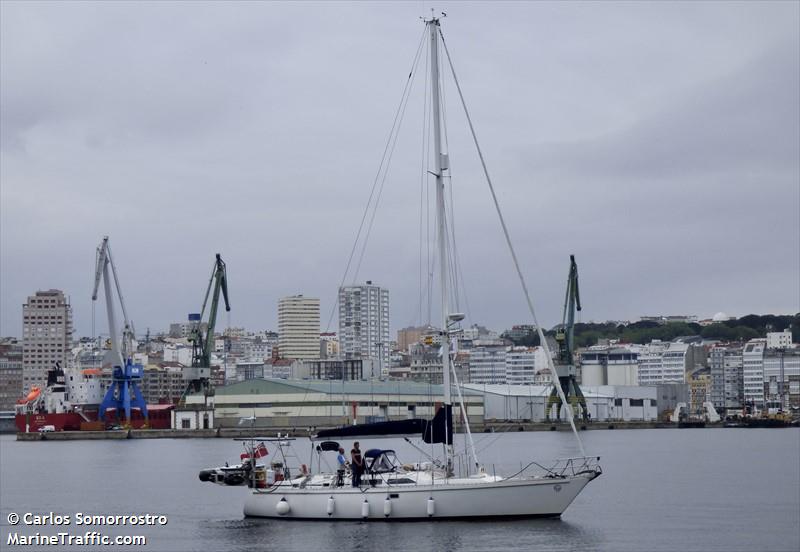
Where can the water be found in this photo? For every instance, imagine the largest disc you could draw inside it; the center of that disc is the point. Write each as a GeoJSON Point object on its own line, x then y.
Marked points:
{"type": "Point", "coordinates": [694, 489]}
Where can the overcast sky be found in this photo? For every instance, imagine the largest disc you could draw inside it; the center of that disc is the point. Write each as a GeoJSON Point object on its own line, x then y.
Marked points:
{"type": "Point", "coordinates": [658, 142]}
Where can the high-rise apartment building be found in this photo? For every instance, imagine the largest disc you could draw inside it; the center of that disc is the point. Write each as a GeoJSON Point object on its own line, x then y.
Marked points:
{"type": "Point", "coordinates": [364, 322]}
{"type": "Point", "coordinates": [782, 378]}
{"type": "Point", "coordinates": [727, 384]}
{"type": "Point", "coordinates": [298, 327]}
{"type": "Point", "coordinates": [522, 364]}
{"type": "Point", "coordinates": [753, 372]}
{"type": "Point", "coordinates": [651, 362]}
{"type": "Point", "coordinates": [487, 364]}
{"type": "Point", "coordinates": [46, 335]}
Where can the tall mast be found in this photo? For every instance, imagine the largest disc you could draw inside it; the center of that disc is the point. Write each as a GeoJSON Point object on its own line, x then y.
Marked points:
{"type": "Point", "coordinates": [440, 165]}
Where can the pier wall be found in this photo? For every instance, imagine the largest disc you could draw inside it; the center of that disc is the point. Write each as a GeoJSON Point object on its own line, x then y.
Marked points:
{"type": "Point", "coordinates": [230, 432]}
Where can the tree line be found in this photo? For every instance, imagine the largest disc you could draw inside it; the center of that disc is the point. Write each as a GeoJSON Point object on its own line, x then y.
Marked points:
{"type": "Point", "coordinates": [742, 329]}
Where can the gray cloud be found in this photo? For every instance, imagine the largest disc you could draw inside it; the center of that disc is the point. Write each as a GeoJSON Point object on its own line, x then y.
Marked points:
{"type": "Point", "coordinates": [658, 142]}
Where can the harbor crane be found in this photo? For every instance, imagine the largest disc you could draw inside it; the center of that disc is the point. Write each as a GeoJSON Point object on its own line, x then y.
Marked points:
{"type": "Point", "coordinates": [198, 376]}
{"type": "Point", "coordinates": [565, 338]}
{"type": "Point", "coordinates": [124, 393]}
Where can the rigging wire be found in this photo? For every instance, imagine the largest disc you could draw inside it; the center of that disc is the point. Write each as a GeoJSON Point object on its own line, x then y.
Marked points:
{"type": "Point", "coordinates": [403, 100]}
{"type": "Point", "coordinates": [385, 175]}
{"type": "Point", "coordinates": [524, 285]}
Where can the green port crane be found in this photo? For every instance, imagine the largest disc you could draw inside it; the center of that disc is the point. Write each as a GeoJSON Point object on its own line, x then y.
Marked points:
{"type": "Point", "coordinates": [198, 376]}
{"type": "Point", "coordinates": [565, 338]}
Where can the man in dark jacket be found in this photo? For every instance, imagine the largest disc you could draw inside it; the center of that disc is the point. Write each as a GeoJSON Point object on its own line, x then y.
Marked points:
{"type": "Point", "coordinates": [356, 464]}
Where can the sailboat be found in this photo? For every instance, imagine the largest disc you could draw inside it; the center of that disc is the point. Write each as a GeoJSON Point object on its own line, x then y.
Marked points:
{"type": "Point", "coordinates": [390, 490]}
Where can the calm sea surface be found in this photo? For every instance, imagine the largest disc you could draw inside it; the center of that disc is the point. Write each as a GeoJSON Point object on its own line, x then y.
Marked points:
{"type": "Point", "coordinates": [688, 490]}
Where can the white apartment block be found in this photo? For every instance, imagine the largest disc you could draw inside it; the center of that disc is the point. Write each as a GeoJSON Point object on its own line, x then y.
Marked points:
{"type": "Point", "coordinates": [523, 363]}
{"type": "Point", "coordinates": [782, 378]}
{"type": "Point", "coordinates": [673, 363]}
{"type": "Point", "coordinates": [46, 335]}
{"type": "Point", "coordinates": [364, 322]}
{"type": "Point", "coordinates": [298, 327]}
{"type": "Point", "coordinates": [779, 340]}
{"type": "Point", "coordinates": [487, 365]}
{"type": "Point", "coordinates": [650, 362]}
{"type": "Point", "coordinates": [753, 371]}
{"type": "Point", "coordinates": [256, 349]}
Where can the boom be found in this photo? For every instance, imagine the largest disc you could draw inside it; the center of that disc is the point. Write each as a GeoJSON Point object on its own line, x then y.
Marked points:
{"type": "Point", "coordinates": [572, 303]}
{"type": "Point", "coordinates": [565, 338]}
{"type": "Point", "coordinates": [203, 340]}
{"type": "Point", "coordinates": [124, 393]}
{"type": "Point", "coordinates": [124, 349]}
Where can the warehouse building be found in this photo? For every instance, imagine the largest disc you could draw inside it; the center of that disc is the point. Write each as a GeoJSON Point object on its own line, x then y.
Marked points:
{"type": "Point", "coordinates": [303, 404]}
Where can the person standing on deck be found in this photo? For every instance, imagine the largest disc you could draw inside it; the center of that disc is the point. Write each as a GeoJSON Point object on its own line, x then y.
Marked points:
{"type": "Point", "coordinates": [356, 464]}
{"type": "Point", "coordinates": [341, 465]}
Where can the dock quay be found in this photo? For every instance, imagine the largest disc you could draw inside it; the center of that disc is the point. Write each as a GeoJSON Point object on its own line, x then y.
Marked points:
{"type": "Point", "coordinates": [232, 432]}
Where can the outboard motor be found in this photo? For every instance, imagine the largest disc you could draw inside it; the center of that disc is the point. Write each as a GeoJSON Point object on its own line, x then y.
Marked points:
{"type": "Point", "coordinates": [206, 475]}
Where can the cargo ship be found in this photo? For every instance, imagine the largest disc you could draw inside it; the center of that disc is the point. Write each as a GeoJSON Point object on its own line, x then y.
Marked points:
{"type": "Point", "coordinates": [71, 402]}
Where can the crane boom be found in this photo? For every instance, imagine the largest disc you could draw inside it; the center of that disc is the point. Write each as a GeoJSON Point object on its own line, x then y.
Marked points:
{"type": "Point", "coordinates": [572, 303]}
{"type": "Point", "coordinates": [565, 338]}
{"type": "Point", "coordinates": [124, 393]}
{"type": "Point", "coordinates": [199, 374]}
{"type": "Point", "coordinates": [219, 282]}
{"type": "Point", "coordinates": [124, 348]}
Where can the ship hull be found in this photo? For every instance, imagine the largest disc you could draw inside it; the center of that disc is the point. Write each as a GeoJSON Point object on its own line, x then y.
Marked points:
{"type": "Point", "coordinates": [509, 498]}
{"type": "Point", "coordinates": [63, 421]}
{"type": "Point", "coordinates": [72, 421]}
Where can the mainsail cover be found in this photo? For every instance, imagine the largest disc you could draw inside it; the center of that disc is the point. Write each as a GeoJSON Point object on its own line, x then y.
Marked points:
{"type": "Point", "coordinates": [438, 430]}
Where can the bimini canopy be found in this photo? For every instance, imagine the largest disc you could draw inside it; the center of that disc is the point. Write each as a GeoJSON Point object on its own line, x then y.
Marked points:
{"type": "Point", "coordinates": [380, 461]}
{"type": "Point", "coordinates": [438, 430]}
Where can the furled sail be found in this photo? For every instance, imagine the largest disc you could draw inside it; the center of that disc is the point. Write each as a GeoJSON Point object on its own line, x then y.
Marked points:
{"type": "Point", "coordinates": [438, 430]}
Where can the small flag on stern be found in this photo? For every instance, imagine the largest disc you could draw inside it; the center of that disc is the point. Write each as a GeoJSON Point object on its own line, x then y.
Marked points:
{"type": "Point", "coordinates": [259, 452]}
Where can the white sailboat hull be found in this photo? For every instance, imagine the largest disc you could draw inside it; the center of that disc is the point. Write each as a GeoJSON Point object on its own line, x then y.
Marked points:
{"type": "Point", "coordinates": [507, 498]}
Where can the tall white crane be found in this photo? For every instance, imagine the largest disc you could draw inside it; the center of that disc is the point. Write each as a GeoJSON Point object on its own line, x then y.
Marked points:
{"type": "Point", "coordinates": [124, 392]}
{"type": "Point", "coordinates": [121, 349]}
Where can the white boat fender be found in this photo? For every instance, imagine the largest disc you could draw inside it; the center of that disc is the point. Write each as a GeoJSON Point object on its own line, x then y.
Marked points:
{"type": "Point", "coordinates": [387, 507]}
{"type": "Point", "coordinates": [282, 507]}
{"type": "Point", "coordinates": [330, 506]}
{"type": "Point", "coordinates": [365, 509]}
{"type": "Point", "coordinates": [431, 506]}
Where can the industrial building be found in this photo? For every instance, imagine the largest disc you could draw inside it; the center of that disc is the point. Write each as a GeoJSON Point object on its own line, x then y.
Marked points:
{"type": "Point", "coordinates": [612, 365]}
{"type": "Point", "coordinates": [605, 402]}
{"type": "Point", "coordinates": [302, 404]}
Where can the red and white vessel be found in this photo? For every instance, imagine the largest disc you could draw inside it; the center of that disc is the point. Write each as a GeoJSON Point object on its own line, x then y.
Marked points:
{"type": "Point", "coordinates": [71, 401]}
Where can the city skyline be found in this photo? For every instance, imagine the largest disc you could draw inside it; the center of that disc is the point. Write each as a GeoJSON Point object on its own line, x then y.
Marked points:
{"type": "Point", "coordinates": [663, 155]}
{"type": "Point", "coordinates": [164, 328]}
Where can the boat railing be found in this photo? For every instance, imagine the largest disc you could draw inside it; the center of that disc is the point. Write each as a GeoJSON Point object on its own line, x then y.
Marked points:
{"type": "Point", "coordinates": [561, 468]}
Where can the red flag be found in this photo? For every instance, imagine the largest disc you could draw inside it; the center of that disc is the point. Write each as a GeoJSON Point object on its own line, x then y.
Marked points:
{"type": "Point", "coordinates": [259, 452]}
